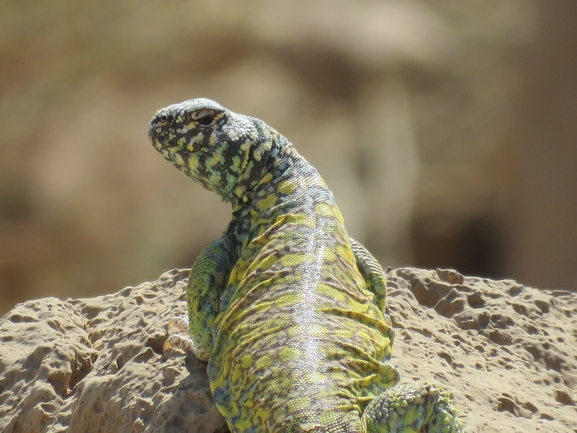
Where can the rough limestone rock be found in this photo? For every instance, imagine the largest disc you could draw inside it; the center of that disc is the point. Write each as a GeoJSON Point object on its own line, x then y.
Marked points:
{"type": "Point", "coordinates": [508, 354]}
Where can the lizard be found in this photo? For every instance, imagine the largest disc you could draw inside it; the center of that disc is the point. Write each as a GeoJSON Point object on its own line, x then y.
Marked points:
{"type": "Point", "coordinates": [288, 311]}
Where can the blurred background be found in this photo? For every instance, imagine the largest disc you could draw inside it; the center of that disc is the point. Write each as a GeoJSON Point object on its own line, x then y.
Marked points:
{"type": "Point", "coordinates": [446, 130]}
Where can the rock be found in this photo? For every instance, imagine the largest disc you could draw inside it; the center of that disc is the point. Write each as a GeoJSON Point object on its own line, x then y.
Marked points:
{"type": "Point", "coordinates": [508, 353]}
{"type": "Point", "coordinates": [96, 365]}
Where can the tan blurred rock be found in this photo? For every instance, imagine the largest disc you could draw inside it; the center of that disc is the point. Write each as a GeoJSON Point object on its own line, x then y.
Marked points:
{"type": "Point", "coordinates": [403, 106]}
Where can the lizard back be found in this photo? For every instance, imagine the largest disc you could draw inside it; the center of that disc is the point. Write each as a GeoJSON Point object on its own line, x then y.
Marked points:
{"type": "Point", "coordinates": [298, 338]}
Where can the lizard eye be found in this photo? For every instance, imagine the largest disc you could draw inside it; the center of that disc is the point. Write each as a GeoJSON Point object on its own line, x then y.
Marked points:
{"type": "Point", "coordinates": [206, 120]}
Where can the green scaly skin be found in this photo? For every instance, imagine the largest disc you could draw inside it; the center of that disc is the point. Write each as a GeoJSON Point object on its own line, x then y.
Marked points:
{"type": "Point", "coordinates": [285, 307]}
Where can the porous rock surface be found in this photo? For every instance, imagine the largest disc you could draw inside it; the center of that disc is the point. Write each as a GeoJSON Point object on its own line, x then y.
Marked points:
{"type": "Point", "coordinates": [508, 354]}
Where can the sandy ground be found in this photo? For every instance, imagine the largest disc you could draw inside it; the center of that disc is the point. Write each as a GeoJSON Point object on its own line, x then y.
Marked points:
{"type": "Point", "coordinates": [507, 353]}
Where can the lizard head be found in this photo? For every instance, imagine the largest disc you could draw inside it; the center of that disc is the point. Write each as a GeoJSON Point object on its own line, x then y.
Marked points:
{"type": "Point", "coordinates": [223, 151]}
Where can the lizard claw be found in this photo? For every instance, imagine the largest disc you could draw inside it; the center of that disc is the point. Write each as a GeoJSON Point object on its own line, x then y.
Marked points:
{"type": "Point", "coordinates": [178, 338]}
{"type": "Point", "coordinates": [179, 323]}
{"type": "Point", "coordinates": [178, 342]}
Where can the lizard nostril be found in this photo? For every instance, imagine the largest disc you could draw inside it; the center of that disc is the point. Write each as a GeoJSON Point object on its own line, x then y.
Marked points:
{"type": "Point", "coordinates": [165, 117]}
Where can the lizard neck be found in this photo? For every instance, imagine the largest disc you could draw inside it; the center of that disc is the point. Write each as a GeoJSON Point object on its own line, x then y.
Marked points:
{"type": "Point", "coordinates": [290, 186]}
{"type": "Point", "coordinates": [267, 164]}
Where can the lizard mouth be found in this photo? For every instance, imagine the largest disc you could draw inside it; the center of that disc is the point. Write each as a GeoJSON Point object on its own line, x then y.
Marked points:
{"type": "Point", "coordinates": [155, 134]}
{"type": "Point", "coordinates": [151, 132]}
{"type": "Point", "coordinates": [156, 140]}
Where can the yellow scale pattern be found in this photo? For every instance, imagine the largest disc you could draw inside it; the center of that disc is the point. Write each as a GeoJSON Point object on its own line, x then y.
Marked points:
{"type": "Point", "coordinates": [287, 309]}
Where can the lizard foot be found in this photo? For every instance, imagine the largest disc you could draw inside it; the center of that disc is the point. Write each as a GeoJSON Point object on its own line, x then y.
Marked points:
{"type": "Point", "coordinates": [412, 408]}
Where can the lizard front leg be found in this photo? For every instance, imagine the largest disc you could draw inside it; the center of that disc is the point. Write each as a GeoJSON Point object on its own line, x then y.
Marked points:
{"type": "Point", "coordinates": [403, 408]}
{"type": "Point", "coordinates": [206, 283]}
